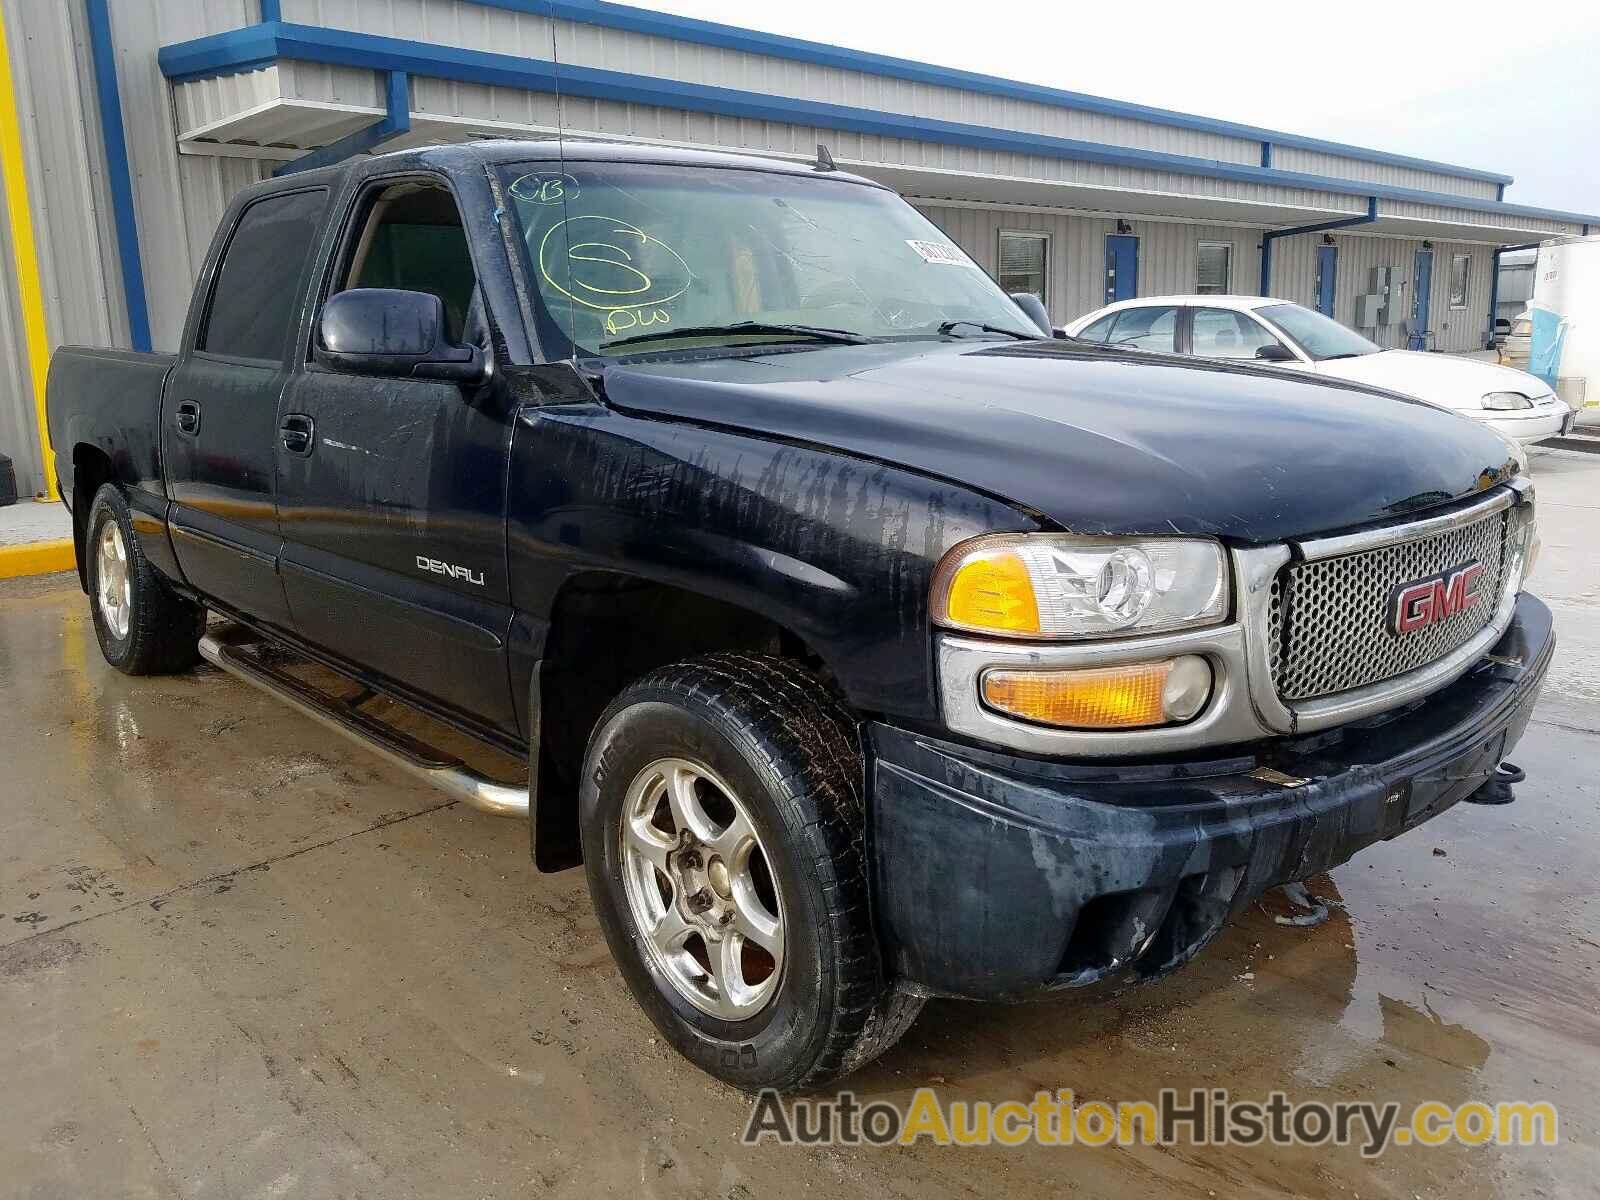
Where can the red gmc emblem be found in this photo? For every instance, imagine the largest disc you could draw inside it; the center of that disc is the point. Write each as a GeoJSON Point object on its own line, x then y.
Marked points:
{"type": "Point", "coordinates": [1424, 602]}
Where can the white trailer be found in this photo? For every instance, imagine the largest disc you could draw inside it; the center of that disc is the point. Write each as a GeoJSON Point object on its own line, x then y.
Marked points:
{"type": "Point", "coordinates": [1565, 347]}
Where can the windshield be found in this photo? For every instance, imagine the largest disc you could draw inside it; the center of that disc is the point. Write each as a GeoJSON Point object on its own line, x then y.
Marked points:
{"type": "Point", "coordinates": [1319, 336]}
{"type": "Point", "coordinates": [620, 251]}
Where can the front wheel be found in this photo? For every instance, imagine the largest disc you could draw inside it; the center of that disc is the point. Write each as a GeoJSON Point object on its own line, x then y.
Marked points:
{"type": "Point", "coordinates": [722, 834]}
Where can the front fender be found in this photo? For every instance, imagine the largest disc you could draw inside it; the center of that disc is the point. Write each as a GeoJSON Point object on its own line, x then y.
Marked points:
{"type": "Point", "coordinates": [837, 550]}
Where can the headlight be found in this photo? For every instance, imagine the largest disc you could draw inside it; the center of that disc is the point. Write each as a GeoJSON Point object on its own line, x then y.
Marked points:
{"type": "Point", "coordinates": [1062, 586]}
{"type": "Point", "coordinates": [1504, 401]}
{"type": "Point", "coordinates": [1522, 546]}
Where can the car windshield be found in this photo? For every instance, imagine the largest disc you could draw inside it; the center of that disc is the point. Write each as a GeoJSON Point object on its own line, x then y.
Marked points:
{"type": "Point", "coordinates": [1319, 336]}
{"type": "Point", "coordinates": [625, 255]}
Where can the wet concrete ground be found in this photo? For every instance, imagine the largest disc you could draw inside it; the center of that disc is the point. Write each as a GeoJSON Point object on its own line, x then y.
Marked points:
{"type": "Point", "coordinates": [240, 958]}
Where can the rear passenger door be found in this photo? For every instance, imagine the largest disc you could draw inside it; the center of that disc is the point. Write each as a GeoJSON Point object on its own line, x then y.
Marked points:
{"type": "Point", "coordinates": [220, 411]}
{"type": "Point", "coordinates": [392, 491]}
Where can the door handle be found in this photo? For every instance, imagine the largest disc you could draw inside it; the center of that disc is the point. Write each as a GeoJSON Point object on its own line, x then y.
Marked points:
{"type": "Point", "coordinates": [299, 434]}
{"type": "Point", "coordinates": [188, 417]}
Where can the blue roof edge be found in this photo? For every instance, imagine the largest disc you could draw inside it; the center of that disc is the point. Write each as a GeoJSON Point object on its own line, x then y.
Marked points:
{"type": "Point", "coordinates": [259, 45]}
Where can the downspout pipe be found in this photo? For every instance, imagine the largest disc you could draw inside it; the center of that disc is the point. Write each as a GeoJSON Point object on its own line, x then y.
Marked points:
{"type": "Point", "coordinates": [1494, 280]}
{"type": "Point", "coordinates": [1271, 235]}
{"type": "Point", "coordinates": [392, 124]}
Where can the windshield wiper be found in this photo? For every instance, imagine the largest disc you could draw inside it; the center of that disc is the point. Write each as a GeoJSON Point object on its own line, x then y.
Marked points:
{"type": "Point", "coordinates": [949, 327]}
{"type": "Point", "coordinates": [1350, 354]}
{"type": "Point", "coordinates": [815, 333]}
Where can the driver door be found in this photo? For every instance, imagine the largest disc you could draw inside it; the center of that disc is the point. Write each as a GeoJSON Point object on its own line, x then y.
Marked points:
{"type": "Point", "coordinates": [392, 491]}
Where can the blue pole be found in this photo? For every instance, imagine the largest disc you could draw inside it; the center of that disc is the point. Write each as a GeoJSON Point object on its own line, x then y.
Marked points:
{"type": "Point", "coordinates": [1271, 235]}
{"type": "Point", "coordinates": [120, 177]}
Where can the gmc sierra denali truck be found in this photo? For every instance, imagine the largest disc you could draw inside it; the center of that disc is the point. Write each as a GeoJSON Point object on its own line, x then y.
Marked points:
{"type": "Point", "coordinates": [863, 642]}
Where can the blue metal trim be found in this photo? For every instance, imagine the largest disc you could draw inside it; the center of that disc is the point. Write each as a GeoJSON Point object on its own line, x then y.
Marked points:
{"type": "Point", "coordinates": [731, 37]}
{"type": "Point", "coordinates": [245, 49]}
{"type": "Point", "coordinates": [271, 10]}
{"type": "Point", "coordinates": [229, 53]}
{"type": "Point", "coordinates": [1272, 235]}
{"type": "Point", "coordinates": [119, 175]}
{"type": "Point", "coordinates": [392, 124]}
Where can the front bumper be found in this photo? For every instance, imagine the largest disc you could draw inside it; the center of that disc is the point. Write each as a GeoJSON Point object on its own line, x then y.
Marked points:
{"type": "Point", "coordinates": [1526, 428]}
{"type": "Point", "coordinates": [999, 877]}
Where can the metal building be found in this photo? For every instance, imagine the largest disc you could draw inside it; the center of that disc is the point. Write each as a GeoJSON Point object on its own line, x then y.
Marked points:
{"type": "Point", "coordinates": [126, 125]}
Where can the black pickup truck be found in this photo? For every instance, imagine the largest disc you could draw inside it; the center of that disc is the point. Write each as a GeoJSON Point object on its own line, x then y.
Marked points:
{"type": "Point", "coordinates": [864, 642]}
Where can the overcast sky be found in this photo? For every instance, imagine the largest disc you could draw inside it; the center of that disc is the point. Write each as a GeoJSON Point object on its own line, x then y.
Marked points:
{"type": "Point", "coordinates": [1511, 87]}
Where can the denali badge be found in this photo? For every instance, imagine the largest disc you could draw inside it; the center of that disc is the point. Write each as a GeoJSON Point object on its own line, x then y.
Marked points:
{"type": "Point", "coordinates": [450, 569]}
{"type": "Point", "coordinates": [1424, 602]}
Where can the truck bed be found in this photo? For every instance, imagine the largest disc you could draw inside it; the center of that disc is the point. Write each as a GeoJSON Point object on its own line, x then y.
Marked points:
{"type": "Point", "coordinates": [109, 400]}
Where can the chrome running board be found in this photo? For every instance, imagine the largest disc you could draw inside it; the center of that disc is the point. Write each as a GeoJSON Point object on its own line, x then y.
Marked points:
{"type": "Point", "coordinates": [231, 649]}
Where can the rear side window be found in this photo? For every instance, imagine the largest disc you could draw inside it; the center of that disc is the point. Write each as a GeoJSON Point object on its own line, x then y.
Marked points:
{"type": "Point", "coordinates": [257, 290]}
{"type": "Point", "coordinates": [1154, 329]}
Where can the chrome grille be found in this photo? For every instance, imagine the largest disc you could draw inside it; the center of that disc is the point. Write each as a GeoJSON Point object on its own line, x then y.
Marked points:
{"type": "Point", "coordinates": [1329, 618]}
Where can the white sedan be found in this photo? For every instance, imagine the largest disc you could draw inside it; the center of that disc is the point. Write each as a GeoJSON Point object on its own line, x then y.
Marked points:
{"type": "Point", "coordinates": [1263, 330]}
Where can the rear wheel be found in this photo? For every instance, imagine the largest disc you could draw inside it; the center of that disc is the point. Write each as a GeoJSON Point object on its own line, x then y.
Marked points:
{"type": "Point", "coordinates": [722, 827]}
{"type": "Point", "coordinates": [144, 627]}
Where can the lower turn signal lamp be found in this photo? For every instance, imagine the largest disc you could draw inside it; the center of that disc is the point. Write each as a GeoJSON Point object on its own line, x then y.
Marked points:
{"type": "Point", "coordinates": [1130, 696]}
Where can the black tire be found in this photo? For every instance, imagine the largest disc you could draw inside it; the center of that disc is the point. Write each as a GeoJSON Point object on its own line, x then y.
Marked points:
{"type": "Point", "coordinates": [162, 628]}
{"type": "Point", "coordinates": [792, 756]}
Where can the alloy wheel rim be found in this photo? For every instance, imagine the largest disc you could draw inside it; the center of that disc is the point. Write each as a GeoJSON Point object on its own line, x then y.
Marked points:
{"type": "Point", "coordinates": [701, 889]}
{"type": "Point", "coordinates": [114, 582]}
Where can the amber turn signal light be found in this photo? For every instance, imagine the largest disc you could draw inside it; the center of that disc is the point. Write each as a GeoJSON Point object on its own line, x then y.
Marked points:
{"type": "Point", "coordinates": [1129, 696]}
{"type": "Point", "coordinates": [992, 590]}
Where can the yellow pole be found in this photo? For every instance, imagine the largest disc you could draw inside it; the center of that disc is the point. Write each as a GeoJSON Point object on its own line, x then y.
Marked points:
{"type": "Point", "coordinates": [26, 253]}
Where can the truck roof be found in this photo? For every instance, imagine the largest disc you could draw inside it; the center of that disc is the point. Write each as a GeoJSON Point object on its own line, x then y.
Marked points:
{"type": "Point", "coordinates": [457, 156]}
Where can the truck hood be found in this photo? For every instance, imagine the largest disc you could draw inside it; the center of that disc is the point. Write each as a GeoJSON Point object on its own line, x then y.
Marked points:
{"type": "Point", "coordinates": [1442, 379]}
{"type": "Point", "coordinates": [1096, 441]}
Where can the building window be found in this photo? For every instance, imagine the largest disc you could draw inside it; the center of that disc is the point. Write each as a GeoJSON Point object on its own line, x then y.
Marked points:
{"type": "Point", "coordinates": [1024, 259]}
{"type": "Point", "coordinates": [1214, 268]}
{"type": "Point", "coordinates": [1459, 265]}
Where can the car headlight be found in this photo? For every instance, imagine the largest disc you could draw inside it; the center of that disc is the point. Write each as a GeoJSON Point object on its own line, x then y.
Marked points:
{"type": "Point", "coordinates": [1522, 538]}
{"type": "Point", "coordinates": [1505, 401]}
{"type": "Point", "coordinates": [1055, 586]}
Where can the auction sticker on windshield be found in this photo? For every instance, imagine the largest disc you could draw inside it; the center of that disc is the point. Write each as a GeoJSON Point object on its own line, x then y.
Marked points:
{"type": "Point", "coordinates": [942, 253]}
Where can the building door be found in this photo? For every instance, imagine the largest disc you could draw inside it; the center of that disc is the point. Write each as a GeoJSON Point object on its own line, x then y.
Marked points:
{"type": "Point", "coordinates": [1122, 267]}
{"type": "Point", "coordinates": [1422, 291]}
{"type": "Point", "coordinates": [1327, 278]}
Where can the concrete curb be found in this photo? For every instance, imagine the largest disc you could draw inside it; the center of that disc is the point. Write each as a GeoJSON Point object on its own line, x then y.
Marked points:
{"type": "Point", "coordinates": [36, 558]}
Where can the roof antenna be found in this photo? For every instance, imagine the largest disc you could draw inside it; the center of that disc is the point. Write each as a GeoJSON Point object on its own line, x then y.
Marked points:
{"type": "Point", "coordinates": [824, 159]}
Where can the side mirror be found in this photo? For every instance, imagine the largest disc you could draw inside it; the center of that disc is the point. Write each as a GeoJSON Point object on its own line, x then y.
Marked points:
{"type": "Point", "coordinates": [1034, 309]}
{"type": "Point", "coordinates": [383, 331]}
{"type": "Point", "coordinates": [1275, 352]}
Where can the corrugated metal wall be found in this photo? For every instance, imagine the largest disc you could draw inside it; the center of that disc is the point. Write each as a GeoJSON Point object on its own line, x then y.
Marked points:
{"type": "Point", "coordinates": [1168, 251]}
{"type": "Point", "coordinates": [65, 161]}
{"type": "Point", "coordinates": [462, 23]}
{"type": "Point", "coordinates": [1316, 162]}
{"type": "Point", "coordinates": [177, 198]}
{"type": "Point", "coordinates": [1294, 278]}
{"type": "Point", "coordinates": [1168, 254]}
